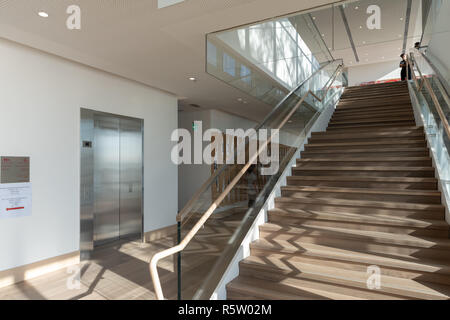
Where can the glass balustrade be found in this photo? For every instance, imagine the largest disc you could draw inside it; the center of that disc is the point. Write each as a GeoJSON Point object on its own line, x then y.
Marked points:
{"type": "Point", "coordinates": [236, 192]}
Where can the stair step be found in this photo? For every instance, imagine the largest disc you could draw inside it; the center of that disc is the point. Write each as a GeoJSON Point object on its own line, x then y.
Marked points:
{"type": "Point", "coordinates": [414, 143]}
{"type": "Point", "coordinates": [298, 216]}
{"type": "Point", "coordinates": [293, 233]}
{"type": "Point", "coordinates": [374, 109]}
{"type": "Point", "coordinates": [383, 120]}
{"type": "Point", "coordinates": [265, 248]}
{"type": "Point", "coordinates": [384, 85]}
{"type": "Point", "coordinates": [393, 245]}
{"type": "Point", "coordinates": [394, 96]}
{"type": "Point", "coordinates": [330, 139]}
{"type": "Point", "coordinates": [372, 105]}
{"type": "Point", "coordinates": [379, 111]}
{"type": "Point", "coordinates": [353, 206]}
{"type": "Point", "coordinates": [379, 125]}
{"type": "Point", "coordinates": [361, 152]}
{"type": "Point", "coordinates": [378, 171]}
{"type": "Point", "coordinates": [411, 196]}
{"type": "Point", "coordinates": [372, 128]}
{"type": "Point", "coordinates": [379, 95]}
{"type": "Point", "coordinates": [276, 270]}
{"type": "Point", "coordinates": [383, 114]}
{"type": "Point", "coordinates": [356, 222]}
{"type": "Point", "coordinates": [243, 288]}
{"type": "Point", "coordinates": [394, 132]}
{"type": "Point", "coordinates": [350, 162]}
{"type": "Point", "coordinates": [397, 183]}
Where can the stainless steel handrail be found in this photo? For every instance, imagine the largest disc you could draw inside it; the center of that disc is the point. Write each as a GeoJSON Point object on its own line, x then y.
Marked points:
{"type": "Point", "coordinates": [184, 212]}
{"type": "Point", "coordinates": [182, 245]}
{"type": "Point", "coordinates": [430, 90]}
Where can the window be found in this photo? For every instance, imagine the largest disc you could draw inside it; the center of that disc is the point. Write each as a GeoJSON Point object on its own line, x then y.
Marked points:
{"type": "Point", "coordinates": [229, 65]}
{"type": "Point", "coordinates": [211, 54]}
{"type": "Point", "coordinates": [246, 74]}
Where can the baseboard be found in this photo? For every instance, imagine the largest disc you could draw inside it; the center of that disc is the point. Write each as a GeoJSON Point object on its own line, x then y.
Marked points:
{"type": "Point", "coordinates": [36, 269]}
{"type": "Point", "coordinates": [160, 233]}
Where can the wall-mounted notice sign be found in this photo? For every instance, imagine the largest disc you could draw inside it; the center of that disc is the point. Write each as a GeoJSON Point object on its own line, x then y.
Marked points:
{"type": "Point", "coordinates": [14, 169]}
{"type": "Point", "coordinates": [15, 200]}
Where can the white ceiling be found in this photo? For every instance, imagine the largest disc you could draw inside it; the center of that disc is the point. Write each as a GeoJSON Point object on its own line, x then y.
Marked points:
{"type": "Point", "coordinates": [159, 47]}
{"type": "Point", "coordinates": [133, 38]}
{"type": "Point", "coordinates": [372, 46]}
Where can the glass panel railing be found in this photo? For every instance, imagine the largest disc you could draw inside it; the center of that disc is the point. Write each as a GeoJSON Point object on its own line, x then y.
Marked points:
{"type": "Point", "coordinates": [433, 102]}
{"type": "Point", "coordinates": [237, 192]}
{"type": "Point", "coordinates": [269, 59]}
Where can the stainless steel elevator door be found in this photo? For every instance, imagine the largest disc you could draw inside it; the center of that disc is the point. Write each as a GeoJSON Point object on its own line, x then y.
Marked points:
{"type": "Point", "coordinates": [106, 179]}
{"type": "Point", "coordinates": [130, 177]}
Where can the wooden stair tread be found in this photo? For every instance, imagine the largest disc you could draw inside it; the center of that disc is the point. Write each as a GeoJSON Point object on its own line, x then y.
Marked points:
{"type": "Point", "coordinates": [362, 168]}
{"type": "Point", "coordinates": [319, 272]}
{"type": "Point", "coordinates": [292, 289]}
{"type": "Point", "coordinates": [362, 143]}
{"type": "Point", "coordinates": [360, 218]}
{"type": "Point", "coordinates": [365, 191]}
{"type": "Point", "coordinates": [352, 234]}
{"type": "Point", "coordinates": [362, 159]}
{"type": "Point", "coordinates": [363, 203]}
{"type": "Point", "coordinates": [341, 254]}
{"type": "Point", "coordinates": [361, 178]}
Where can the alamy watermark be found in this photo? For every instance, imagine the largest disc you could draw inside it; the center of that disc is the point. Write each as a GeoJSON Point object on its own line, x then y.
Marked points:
{"type": "Point", "coordinates": [374, 278]}
{"type": "Point", "coordinates": [73, 22]}
{"type": "Point", "coordinates": [263, 147]}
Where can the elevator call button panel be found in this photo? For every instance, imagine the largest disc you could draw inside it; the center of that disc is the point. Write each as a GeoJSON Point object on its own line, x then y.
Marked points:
{"type": "Point", "coordinates": [14, 169]}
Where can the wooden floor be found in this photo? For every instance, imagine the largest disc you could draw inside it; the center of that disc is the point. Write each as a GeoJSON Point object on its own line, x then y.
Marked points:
{"type": "Point", "coordinates": [120, 271]}
{"type": "Point", "coordinates": [117, 271]}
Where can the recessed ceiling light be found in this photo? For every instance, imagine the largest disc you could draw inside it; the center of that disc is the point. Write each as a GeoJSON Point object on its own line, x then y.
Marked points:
{"type": "Point", "coordinates": [43, 14]}
{"type": "Point", "coordinates": [192, 78]}
{"type": "Point", "coordinates": [360, 27]}
{"type": "Point", "coordinates": [314, 18]}
{"type": "Point", "coordinates": [401, 19]}
{"type": "Point", "coordinates": [323, 34]}
{"type": "Point", "coordinates": [239, 99]}
{"type": "Point", "coordinates": [356, 8]}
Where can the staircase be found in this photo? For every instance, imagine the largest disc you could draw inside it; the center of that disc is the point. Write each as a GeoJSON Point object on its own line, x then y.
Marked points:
{"type": "Point", "coordinates": [363, 194]}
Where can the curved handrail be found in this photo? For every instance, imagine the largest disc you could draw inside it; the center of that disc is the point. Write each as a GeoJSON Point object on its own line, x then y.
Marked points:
{"type": "Point", "coordinates": [427, 84]}
{"type": "Point", "coordinates": [182, 214]}
{"type": "Point", "coordinates": [182, 245]}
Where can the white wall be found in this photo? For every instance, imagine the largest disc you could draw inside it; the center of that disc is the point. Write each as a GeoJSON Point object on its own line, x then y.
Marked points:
{"type": "Point", "coordinates": [40, 100]}
{"type": "Point", "coordinates": [192, 176]}
{"type": "Point", "coordinates": [374, 72]}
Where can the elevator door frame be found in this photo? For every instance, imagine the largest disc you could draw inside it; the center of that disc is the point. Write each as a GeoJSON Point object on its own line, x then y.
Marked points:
{"type": "Point", "coordinates": [87, 192]}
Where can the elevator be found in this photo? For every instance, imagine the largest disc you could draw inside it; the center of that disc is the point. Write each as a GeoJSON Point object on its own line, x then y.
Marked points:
{"type": "Point", "coordinates": [111, 185]}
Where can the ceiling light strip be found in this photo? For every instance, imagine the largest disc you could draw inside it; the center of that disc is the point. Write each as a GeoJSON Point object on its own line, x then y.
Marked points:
{"type": "Point", "coordinates": [349, 32]}
{"type": "Point", "coordinates": [408, 16]}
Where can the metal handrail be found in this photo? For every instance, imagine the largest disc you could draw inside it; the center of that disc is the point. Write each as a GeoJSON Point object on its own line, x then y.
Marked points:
{"type": "Point", "coordinates": [427, 84]}
{"type": "Point", "coordinates": [182, 245]}
{"type": "Point", "coordinates": [182, 214]}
